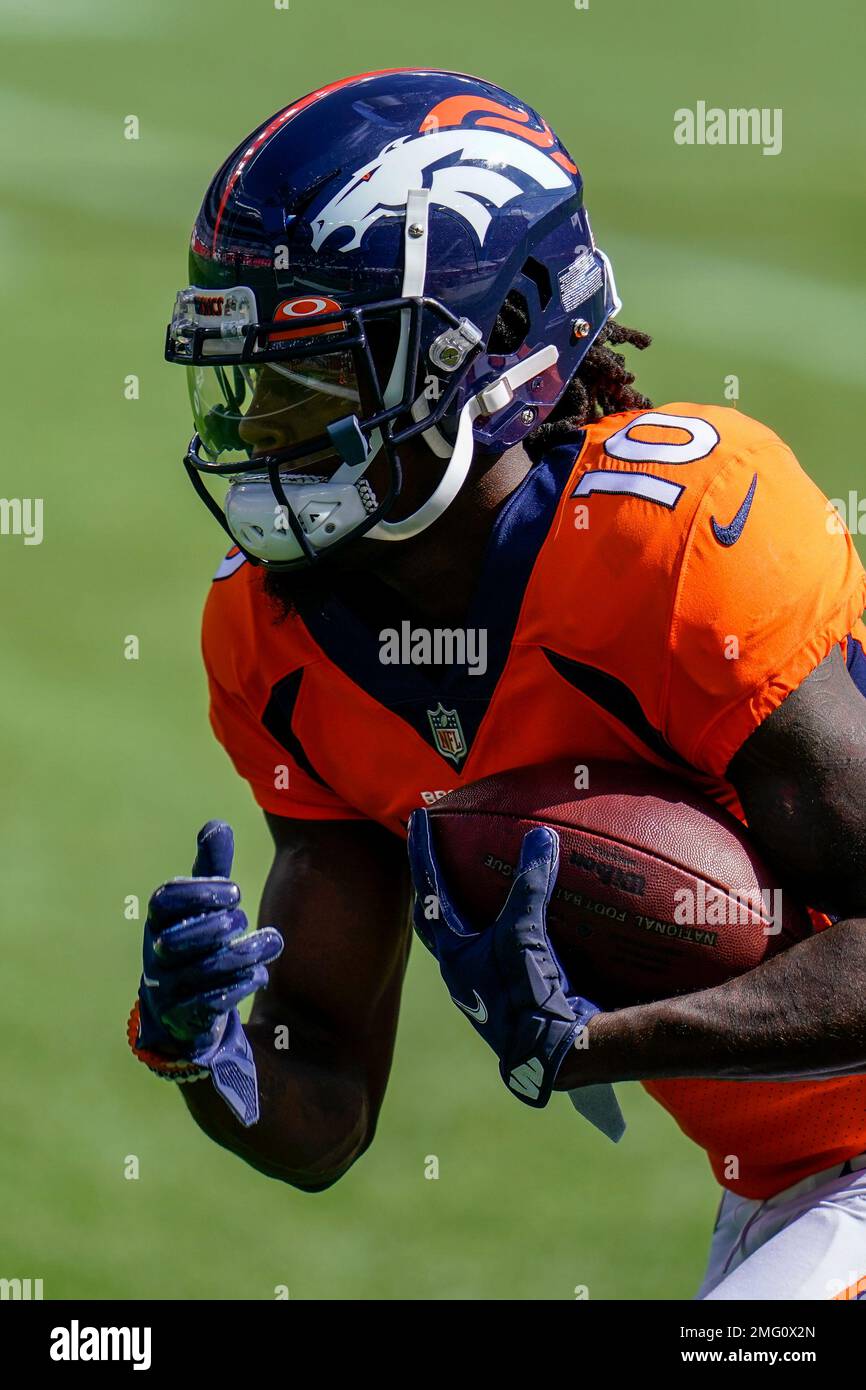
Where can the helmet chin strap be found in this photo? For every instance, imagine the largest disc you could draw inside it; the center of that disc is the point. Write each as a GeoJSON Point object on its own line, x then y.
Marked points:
{"type": "Point", "coordinates": [432, 436]}
{"type": "Point", "coordinates": [490, 399]}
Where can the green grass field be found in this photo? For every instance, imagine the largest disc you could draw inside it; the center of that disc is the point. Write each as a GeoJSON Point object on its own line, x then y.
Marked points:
{"type": "Point", "coordinates": [738, 263]}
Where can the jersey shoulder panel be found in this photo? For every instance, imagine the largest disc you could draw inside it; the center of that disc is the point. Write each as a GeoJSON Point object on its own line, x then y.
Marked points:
{"type": "Point", "coordinates": [246, 645]}
{"type": "Point", "coordinates": [695, 562]}
{"type": "Point", "coordinates": [255, 664]}
{"type": "Point", "coordinates": [627, 509]}
{"type": "Point", "coordinates": [667, 440]}
{"type": "Point", "coordinates": [768, 581]}
{"type": "Point", "coordinates": [642, 483]}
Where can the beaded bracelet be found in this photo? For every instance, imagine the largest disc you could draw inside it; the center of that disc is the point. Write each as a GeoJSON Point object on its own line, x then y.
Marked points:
{"type": "Point", "coordinates": [169, 1068]}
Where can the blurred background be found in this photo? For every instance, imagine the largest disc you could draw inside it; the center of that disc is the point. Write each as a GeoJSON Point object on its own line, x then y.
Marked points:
{"type": "Point", "coordinates": [739, 264]}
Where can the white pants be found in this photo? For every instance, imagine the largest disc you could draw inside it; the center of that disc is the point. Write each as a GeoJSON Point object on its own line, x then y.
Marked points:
{"type": "Point", "coordinates": [809, 1241]}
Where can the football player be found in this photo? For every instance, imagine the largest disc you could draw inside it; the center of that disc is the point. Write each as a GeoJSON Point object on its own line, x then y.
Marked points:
{"type": "Point", "coordinates": [410, 418]}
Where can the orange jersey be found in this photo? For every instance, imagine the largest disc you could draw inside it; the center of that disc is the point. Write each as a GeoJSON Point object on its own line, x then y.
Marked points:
{"type": "Point", "coordinates": [649, 594]}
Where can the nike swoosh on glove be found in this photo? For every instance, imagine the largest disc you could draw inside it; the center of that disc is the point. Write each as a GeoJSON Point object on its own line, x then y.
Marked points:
{"type": "Point", "coordinates": [506, 977]}
{"type": "Point", "coordinates": [198, 966]}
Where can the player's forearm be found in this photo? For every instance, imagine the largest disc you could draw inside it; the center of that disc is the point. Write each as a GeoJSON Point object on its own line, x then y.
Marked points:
{"type": "Point", "coordinates": [801, 1014]}
{"type": "Point", "coordinates": [314, 1117]}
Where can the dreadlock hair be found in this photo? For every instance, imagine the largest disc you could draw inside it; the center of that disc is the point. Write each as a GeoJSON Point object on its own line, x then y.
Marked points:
{"type": "Point", "coordinates": [602, 384]}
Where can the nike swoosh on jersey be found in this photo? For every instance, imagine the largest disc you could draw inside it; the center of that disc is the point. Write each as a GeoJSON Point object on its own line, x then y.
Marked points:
{"type": "Point", "coordinates": [478, 1011]}
{"type": "Point", "coordinates": [730, 534]}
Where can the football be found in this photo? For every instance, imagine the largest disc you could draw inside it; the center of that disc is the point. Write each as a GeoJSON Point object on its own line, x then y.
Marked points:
{"type": "Point", "coordinates": [659, 890]}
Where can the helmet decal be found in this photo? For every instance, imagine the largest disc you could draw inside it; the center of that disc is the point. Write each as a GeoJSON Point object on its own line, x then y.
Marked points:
{"type": "Point", "coordinates": [378, 189]}
{"type": "Point", "coordinates": [453, 110]}
{"type": "Point", "coordinates": [297, 309]}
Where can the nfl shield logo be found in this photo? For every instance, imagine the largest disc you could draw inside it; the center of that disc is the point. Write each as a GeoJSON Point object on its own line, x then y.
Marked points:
{"type": "Point", "coordinates": [447, 733]}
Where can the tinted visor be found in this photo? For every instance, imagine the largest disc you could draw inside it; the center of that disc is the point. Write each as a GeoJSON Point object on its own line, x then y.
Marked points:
{"type": "Point", "coordinates": [243, 412]}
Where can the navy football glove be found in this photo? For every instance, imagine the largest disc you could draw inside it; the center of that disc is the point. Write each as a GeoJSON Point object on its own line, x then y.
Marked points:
{"type": "Point", "coordinates": [507, 978]}
{"type": "Point", "coordinates": [198, 966]}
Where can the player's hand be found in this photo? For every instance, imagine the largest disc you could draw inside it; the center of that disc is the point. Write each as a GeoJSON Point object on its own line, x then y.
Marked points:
{"type": "Point", "coordinates": [506, 977]}
{"type": "Point", "coordinates": [198, 966]}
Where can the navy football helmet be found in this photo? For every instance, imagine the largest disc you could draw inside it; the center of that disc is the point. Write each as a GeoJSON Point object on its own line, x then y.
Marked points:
{"type": "Point", "coordinates": [347, 267]}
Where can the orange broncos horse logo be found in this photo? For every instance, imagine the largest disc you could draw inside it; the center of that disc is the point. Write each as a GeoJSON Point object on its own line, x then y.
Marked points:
{"type": "Point", "coordinates": [454, 110]}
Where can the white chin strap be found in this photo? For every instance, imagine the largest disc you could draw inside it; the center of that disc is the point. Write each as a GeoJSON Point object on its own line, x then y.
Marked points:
{"type": "Point", "coordinates": [492, 398]}
{"type": "Point", "coordinates": [488, 401]}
